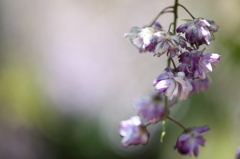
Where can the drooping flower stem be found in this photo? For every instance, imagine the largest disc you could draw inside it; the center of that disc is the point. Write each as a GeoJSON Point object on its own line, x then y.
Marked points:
{"type": "Point", "coordinates": [186, 10]}
{"type": "Point", "coordinates": [176, 122]}
{"type": "Point", "coordinates": [170, 26]}
{"type": "Point", "coordinates": [170, 59]}
{"type": "Point", "coordinates": [175, 68]}
{"type": "Point", "coordinates": [162, 12]}
{"type": "Point", "coordinates": [175, 12]}
{"type": "Point", "coordinates": [166, 111]}
{"type": "Point", "coordinates": [168, 62]}
{"type": "Point", "coordinates": [147, 124]}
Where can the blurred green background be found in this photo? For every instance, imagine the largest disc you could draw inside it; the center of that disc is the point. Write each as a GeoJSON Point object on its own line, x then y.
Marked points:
{"type": "Point", "coordinates": [68, 77]}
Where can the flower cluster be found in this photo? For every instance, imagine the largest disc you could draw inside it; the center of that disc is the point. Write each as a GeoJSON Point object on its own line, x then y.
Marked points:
{"type": "Point", "coordinates": [198, 31]}
{"type": "Point", "coordinates": [175, 85]}
{"type": "Point", "coordinates": [154, 39]}
{"type": "Point", "coordinates": [144, 38]}
{"type": "Point", "coordinates": [151, 110]}
{"type": "Point", "coordinates": [177, 82]}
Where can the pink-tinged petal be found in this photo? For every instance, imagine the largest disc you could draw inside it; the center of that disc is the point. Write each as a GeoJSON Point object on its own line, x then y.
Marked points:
{"type": "Point", "coordinates": [170, 89]}
{"type": "Point", "coordinates": [205, 23]}
{"type": "Point", "coordinates": [209, 67]}
{"type": "Point", "coordinates": [162, 85]}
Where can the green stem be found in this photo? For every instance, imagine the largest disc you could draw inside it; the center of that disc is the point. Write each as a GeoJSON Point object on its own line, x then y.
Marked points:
{"type": "Point", "coordinates": [170, 27]}
{"type": "Point", "coordinates": [186, 10]}
{"type": "Point", "coordinates": [162, 12]}
{"type": "Point", "coordinates": [175, 11]}
{"type": "Point", "coordinates": [168, 62]}
{"type": "Point", "coordinates": [166, 111]}
{"type": "Point", "coordinates": [175, 68]}
{"type": "Point", "coordinates": [176, 122]}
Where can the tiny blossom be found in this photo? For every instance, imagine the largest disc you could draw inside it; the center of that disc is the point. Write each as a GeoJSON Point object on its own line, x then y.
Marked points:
{"type": "Point", "coordinates": [169, 43]}
{"type": "Point", "coordinates": [143, 38]}
{"type": "Point", "coordinates": [196, 65]}
{"type": "Point", "coordinates": [133, 132]}
{"type": "Point", "coordinates": [175, 86]}
{"type": "Point", "coordinates": [198, 31]}
{"type": "Point", "coordinates": [201, 85]}
{"type": "Point", "coordinates": [152, 109]}
{"type": "Point", "coordinates": [238, 153]}
{"type": "Point", "coordinates": [190, 139]}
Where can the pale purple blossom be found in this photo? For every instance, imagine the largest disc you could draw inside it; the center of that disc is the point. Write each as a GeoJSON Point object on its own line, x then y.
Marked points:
{"type": "Point", "coordinates": [198, 31]}
{"type": "Point", "coordinates": [133, 132]}
{"type": "Point", "coordinates": [144, 38]}
{"type": "Point", "coordinates": [201, 85]}
{"type": "Point", "coordinates": [152, 109]}
{"type": "Point", "coordinates": [190, 139]}
{"type": "Point", "coordinates": [169, 43]}
{"type": "Point", "coordinates": [196, 65]}
{"type": "Point", "coordinates": [174, 85]}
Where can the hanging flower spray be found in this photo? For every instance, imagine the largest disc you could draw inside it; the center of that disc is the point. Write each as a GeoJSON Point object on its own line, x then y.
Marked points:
{"type": "Point", "coordinates": [178, 82]}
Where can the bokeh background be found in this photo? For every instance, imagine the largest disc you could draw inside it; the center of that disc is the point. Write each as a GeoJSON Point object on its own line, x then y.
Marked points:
{"type": "Point", "coordinates": [68, 77]}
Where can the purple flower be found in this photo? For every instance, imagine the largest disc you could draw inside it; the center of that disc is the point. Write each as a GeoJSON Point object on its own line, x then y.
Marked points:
{"type": "Point", "coordinates": [152, 109]}
{"type": "Point", "coordinates": [196, 65]}
{"type": "Point", "coordinates": [198, 31]}
{"type": "Point", "coordinates": [133, 132]}
{"type": "Point", "coordinates": [176, 86]}
{"type": "Point", "coordinates": [238, 153]}
{"type": "Point", "coordinates": [201, 85]}
{"type": "Point", "coordinates": [190, 139]}
{"type": "Point", "coordinates": [169, 43]}
{"type": "Point", "coordinates": [143, 38]}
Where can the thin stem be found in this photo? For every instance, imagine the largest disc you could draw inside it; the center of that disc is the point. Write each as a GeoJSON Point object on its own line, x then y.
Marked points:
{"type": "Point", "coordinates": [173, 63]}
{"type": "Point", "coordinates": [170, 27]}
{"type": "Point", "coordinates": [175, 11]}
{"type": "Point", "coordinates": [147, 124]}
{"type": "Point", "coordinates": [166, 111]}
{"type": "Point", "coordinates": [186, 10]}
{"type": "Point", "coordinates": [162, 12]}
{"type": "Point", "coordinates": [168, 62]}
{"type": "Point", "coordinates": [176, 122]}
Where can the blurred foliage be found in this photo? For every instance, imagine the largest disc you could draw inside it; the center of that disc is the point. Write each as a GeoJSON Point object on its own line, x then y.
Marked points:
{"type": "Point", "coordinates": [231, 44]}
